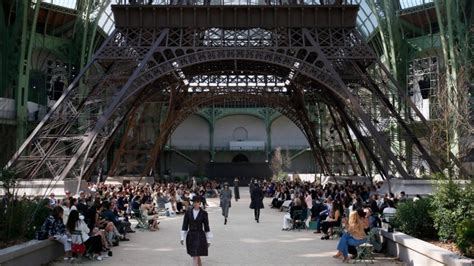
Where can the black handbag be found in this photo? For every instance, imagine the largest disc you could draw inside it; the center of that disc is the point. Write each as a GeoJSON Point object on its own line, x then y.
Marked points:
{"type": "Point", "coordinates": [41, 235]}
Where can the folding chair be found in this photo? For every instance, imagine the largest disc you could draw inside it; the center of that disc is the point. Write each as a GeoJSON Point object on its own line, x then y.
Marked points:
{"type": "Point", "coordinates": [141, 219]}
{"type": "Point", "coordinates": [76, 238]}
{"type": "Point", "coordinates": [337, 232]}
{"type": "Point", "coordinates": [299, 219]}
{"type": "Point", "coordinates": [365, 253]}
{"type": "Point", "coordinates": [286, 205]}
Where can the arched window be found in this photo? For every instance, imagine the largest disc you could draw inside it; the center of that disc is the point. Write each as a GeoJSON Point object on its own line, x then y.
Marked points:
{"type": "Point", "coordinates": [240, 134]}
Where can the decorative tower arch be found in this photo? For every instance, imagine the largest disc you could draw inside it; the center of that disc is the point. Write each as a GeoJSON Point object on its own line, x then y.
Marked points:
{"type": "Point", "coordinates": [159, 50]}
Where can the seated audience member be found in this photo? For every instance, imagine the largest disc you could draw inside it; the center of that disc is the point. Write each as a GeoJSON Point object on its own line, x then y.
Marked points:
{"type": "Point", "coordinates": [403, 197]}
{"type": "Point", "coordinates": [388, 214]}
{"type": "Point", "coordinates": [334, 219]}
{"type": "Point", "coordinates": [417, 197]}
{"type": "Point", "coordinates": [321, 216]}
{"type": "Point", "coordinates": [373, 203]}
{"type": "Point", "coordinates": [52, 200]}
{"type": "Point", "coordinates": [66, 209]}
{"type": "Point", "coordinates": [81, 204]}
{"type": "Point", "coordinates": [55, 229]}
{"type": "Point", "coordinates": [136, 202]}
{"type": "Point", "coordinates": [278, 199]}
{"type": "Point", "coordinates": [374, 220]}
{"type": "Point", "coordinates": [92, 243]}
{"type": "Point", "coordinates": [148, 211]}
{"type": "Point", "coordinates": [122, 202]}
{"type": "Point", "coordinates": [202, 194]}
{"type": "Point", "coordinates": [91, 216]}
{"type": "Point", "coordinates": [120, 224]}
{"type": "Point", "coordinates": [270, 191]}
{"type": "Point", "coordinates": [289, 216]}
{"type": "Point", "coordinates": [309, 200]}
{"type": "Point", "coordinates": [355, 234]}
{"type": "Point", "coordinates": [161, 200]}
{"type": "Point", "coordinates": [389, 211]}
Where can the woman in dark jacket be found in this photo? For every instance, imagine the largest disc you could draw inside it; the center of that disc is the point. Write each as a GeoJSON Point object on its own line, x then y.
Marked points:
{"type": "Point", "coordinates": [256, 197]}
{"type": "Point", "coordinates": [196, 231]}
{"type": "Point", "coordinates": [225, 197]}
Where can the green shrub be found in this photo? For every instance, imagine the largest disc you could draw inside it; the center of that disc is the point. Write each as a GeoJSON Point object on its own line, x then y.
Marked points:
{"type": "Point", "coordinates": [465, 237]}
{"type": "Point", "coordinates": [447, 211]}
{"type": "Point", "coordinates": [413, 218]}
{"type": "Point", "coordinates": [20, 219]}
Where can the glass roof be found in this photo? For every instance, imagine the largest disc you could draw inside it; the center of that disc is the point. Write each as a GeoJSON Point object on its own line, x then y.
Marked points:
{"type": "Point", "coordinates": [106, 20]}
{"type": "Point", "coordinates": [404, 4]}
{"type": "Point", "coordinates": [366, 20]}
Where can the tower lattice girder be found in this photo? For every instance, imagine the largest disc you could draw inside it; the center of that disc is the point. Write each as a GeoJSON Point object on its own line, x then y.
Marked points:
{"type": "Point", "coordinates": [156, 51]}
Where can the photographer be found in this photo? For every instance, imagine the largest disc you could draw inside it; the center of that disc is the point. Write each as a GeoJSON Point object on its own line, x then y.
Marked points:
{"type": "Point", "coordinates": [355, 235]}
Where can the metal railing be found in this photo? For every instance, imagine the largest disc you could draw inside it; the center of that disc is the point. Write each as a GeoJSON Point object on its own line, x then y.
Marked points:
{"type": "Point", "coordinates": [237, 2]}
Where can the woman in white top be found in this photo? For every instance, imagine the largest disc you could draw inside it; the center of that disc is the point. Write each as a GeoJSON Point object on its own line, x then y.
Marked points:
{"type": "Point", "coordinates": [92, 243]}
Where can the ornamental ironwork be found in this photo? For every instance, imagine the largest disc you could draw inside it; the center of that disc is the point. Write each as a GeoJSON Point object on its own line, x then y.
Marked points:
{"type": "Point", "coordinates": [308, 62]}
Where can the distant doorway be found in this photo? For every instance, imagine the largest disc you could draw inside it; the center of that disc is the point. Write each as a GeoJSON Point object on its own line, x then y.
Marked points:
{"type": "Point", "coordinates": [240, 158]}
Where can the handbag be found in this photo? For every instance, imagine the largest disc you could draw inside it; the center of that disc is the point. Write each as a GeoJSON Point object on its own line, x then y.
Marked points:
{"type": "Point", "coordinates": [41, 235]}
{"type": "Point", "coordinates": [78, 248]}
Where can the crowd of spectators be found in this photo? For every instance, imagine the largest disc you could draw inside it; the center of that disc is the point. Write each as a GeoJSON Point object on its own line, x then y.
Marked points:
{"type": "Point", "coordinates": [330, 207]}
{"type": "Point", "coordinates": [100, 216]}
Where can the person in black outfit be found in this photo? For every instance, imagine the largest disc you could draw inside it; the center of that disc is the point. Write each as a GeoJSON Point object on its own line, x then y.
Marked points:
{"type": "Point", "coordinates": [256, 197]}
{"type": "Point", "coordinates": [236, 189]}
{"type": "Point", "coordinates": [196, 231]}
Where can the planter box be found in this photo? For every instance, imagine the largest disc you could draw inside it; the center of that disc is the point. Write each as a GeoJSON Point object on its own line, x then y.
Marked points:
{"type": "Point", "coordinates": [34, 252]}
{"type": "Point", "coordinates": [414, 251]}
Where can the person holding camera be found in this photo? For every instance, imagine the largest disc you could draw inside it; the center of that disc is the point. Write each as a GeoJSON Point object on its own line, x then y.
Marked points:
{"type": "Point", "coordinates": [355, 235]}
{"type": "Point", "coordinates": [196, 231]}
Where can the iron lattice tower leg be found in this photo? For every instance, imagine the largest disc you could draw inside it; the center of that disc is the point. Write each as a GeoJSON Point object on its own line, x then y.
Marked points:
{"type": "Point", "coordinates": [316, 64]}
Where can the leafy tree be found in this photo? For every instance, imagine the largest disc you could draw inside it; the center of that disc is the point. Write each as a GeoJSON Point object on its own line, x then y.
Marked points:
{"type": "Point", "coordinates": [287, 160]}
{"type": "Point", "coordinates": [276, 163]}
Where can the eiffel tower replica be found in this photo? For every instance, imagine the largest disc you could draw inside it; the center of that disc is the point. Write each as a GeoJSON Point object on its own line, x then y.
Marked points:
{"type": "Point", "coordinates": [301, 59]}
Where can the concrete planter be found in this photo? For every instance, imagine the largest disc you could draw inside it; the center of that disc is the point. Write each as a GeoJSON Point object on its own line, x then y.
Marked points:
{"type": "Point", "coordinates": [34, 252]}
{"type": "Point", "coordinates": [414, 251]}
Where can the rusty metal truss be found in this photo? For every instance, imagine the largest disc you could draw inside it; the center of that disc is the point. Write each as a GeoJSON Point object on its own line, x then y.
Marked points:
{"type": "Point", "coordinates": [176, 71]}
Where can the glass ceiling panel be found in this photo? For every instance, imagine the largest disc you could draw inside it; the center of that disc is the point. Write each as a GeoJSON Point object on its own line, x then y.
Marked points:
{"type": "Point", "coordinates": [366, 20]}
{"type": "Point", "coordinates": [106, 20]}
{"type": "Point", "coordinates": [65, 3]}
{"type": "Point", "coordinates": [412, 3]}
